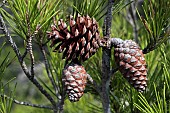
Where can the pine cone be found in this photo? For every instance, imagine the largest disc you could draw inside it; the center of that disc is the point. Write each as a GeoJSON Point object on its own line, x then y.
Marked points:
{"type": "Point", "coordinates": [81, 40]}
{"type": "Point", "coordinates": [74, 79]}
{"type": "Point", "coordinates": [131, 62]}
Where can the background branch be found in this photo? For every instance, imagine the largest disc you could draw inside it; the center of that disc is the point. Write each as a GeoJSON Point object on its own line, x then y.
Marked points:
{"type": "Point", "coordinates": [97, 88]}
{"type": "Point", "coordinates": [48, 72]}
{"type": "Point", "coordinates": [26, 103]}
{"type": "Point", "coordinates": [131, 17]}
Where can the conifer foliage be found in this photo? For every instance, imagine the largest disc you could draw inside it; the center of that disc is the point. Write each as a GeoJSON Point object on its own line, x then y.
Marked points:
{"type": "Point", "coordinates": [81, 63]}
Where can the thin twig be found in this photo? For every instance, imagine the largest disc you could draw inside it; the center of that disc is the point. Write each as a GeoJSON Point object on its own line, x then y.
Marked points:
{"type": "Point", "coordinates": [97, 88]}
{"type": "Point", "coordinates": [48, 72]}
{"type": "Point", "coordinates": [26, 103]}
{"type": "Point", "coordinates": [23, 65]}
{"type": "Point", "coordinates": [132, 19]}
{"type": "Point", "coordinates": [29, 43]}
{"type": "Point", "coordinates": [24, 55]}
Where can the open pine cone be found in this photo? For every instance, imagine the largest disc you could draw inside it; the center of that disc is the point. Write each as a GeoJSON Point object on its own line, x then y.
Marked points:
{"type": "Point", "coordinates": [132, 64]}
{"type": "Point", "coordinates": [80, 40]}
{"type": "Point", "coordinates": [74, 80]}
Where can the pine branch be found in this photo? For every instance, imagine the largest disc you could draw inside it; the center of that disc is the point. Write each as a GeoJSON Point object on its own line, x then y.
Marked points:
{"type": "Point", "coordinates": [106, 60]}
{"type": "Point", "coordinates": [61, 103]}
{"type": "Point", "coordinates": [104, 27]}
{"type": "Point", "coordinates": [26, 103]}
{"type": "Point", "coordinates": [29, 43]}
{"type": "Point", "coordinates": [23, 65]}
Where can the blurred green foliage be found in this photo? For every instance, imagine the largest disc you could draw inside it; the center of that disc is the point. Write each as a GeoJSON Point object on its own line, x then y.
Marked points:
{"type": "Point", "coordinates": [5, 86]}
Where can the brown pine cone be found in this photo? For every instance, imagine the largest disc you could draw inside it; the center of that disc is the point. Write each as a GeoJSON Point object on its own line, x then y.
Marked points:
{"type": "Point", "coordinates": [79, 40]}
{"type": "Point", "coordinates": [132, 64]}
{"type": "Point", "coordinates": [74, 80]}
